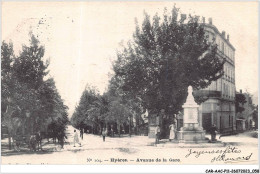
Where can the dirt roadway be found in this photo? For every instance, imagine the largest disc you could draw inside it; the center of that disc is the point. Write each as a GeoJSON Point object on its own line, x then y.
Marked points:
{"type": "Point", "coordinates": [235, 149]}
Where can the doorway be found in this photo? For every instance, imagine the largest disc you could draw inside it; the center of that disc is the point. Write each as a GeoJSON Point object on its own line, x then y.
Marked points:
{"type": "Point", "coordinates": [206, 121]}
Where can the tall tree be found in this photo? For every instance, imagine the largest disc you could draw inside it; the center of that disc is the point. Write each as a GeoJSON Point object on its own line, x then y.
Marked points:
{"type": "Point", "coordinates": [16, 96]}
{"type": "Point", "coordinates": [255, 115]}
{"type": "Point", "coordinates": [55, 112]}
{"type": "Point", "coordinates": [96, 111]}
{"type": "Point", "coordinates": [86, 113]}
{"type": "Point", "coordinates": [7, 56]}
{"type": "Point", "coordinates": [240, 100]}
{"type": "Point", "coordinates": [130, 105]}
{"type": "Point", "coordinates": [165, 57]}
{"type": "Point", "coordinates": [24, 90]}
{"type": "Point", "coordinates": [30, 67]}
{"type": "Point", "coordinates": [118, 112]}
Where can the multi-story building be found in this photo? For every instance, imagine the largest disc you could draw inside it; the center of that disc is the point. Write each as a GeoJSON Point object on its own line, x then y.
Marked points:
{"type": "Point", "coordinates": [219, 108]}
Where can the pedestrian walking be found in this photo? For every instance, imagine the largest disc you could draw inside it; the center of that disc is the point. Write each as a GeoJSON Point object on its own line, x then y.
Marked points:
{"type": "Point", "coordinates": [81, 134]}
{"type": "Point", "coordinates": [104, 134]}
{"type": "Point", "coordinates": [32, 143]}
{"type": "Point", "coordinates": [112, 131]}
{"type": "Point", "coordinates": [172, 131]}
{"type": "Point", "coordinates": [76, 138]}
{"type": "Point", "coordinates": [61, 138]}
{"type": "Point", "coordinates": [157, 134]}
{"type": "Point", "coordinates": [213, 132]}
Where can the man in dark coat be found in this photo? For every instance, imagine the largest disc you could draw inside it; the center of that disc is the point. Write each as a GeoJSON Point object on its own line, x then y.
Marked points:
{"type": "Point", "coordinates": [32, 143]}
{"type": "Point", "coordinates": [81, 133]}
{"type": "Point", "coordinates": [157, 134]}
{"type": "Point", "coordinates": [213, 132]}
{"type": "Point", "coordinates": [62, 137]}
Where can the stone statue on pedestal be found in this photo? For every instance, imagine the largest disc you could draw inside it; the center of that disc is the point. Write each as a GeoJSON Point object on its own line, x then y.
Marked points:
{"type": "Point", "coordinates": [191, 130]}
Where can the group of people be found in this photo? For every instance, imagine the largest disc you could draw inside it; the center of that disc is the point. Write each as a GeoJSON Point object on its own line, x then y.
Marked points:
{"type": "Point", "coordinates": [172, 134]}
{"type": "Point", "coordinates": [76, 139]}
{"type": "Point", "coordinates": [173, 129]}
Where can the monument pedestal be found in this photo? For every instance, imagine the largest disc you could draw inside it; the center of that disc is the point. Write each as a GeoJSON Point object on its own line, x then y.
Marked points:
{"type": "Point", "coordinates": [153, 121]}
{"type": "Point", "coordinates": [151, 131]}
{"type": "Point", "coordinates": [191, 132]}
{"type": "Point", "coordinates": [191, 136]}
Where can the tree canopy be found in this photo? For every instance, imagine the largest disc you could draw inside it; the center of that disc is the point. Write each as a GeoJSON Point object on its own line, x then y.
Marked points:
{"type": "Point", "coordinates": [98, 111]}
{"type": "Point", "coordinates": [164, 58]}
{"type": "Point", "coordinates": [26, 89]}
{"type": "Point", "coordinates": [240, 100]}
{"type": "Point", "coordinates": [153, 72]}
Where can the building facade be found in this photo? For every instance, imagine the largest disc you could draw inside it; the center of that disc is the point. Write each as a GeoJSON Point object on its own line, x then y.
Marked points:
{"type": "Point", "coordinates": [219, 108]}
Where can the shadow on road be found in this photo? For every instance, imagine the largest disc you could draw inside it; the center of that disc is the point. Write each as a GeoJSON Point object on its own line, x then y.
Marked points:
{"type": "Point", "coordinates": [128, 150]}
{"type": "Point", "coordinates": [46, 149]}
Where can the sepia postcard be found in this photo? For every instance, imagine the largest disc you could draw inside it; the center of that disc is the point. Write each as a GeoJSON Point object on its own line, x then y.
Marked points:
{"type": "Point", "coordinates": [140, 83]}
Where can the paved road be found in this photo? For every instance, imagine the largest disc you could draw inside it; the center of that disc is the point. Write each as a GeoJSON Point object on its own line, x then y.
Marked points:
{"type": "Point", "coordinates": [136, 150]}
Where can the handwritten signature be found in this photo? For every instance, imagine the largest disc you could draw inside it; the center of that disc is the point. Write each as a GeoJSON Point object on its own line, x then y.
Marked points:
{"type": "Point", "coordinates": [222, 154]}
{"type": "Point", "coordinates": [226, 159]}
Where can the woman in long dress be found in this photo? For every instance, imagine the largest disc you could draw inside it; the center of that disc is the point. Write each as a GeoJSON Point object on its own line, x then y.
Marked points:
{"type": "Point", "coordinates": [76, 138]}
{"type": "Point", "coordinates": [172, 132]}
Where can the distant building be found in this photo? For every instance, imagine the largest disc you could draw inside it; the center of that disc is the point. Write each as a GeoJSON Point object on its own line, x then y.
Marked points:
{"type": "Point", "coordinates": [244, 120]}
{"type": "Point", "coordinates": [219, 108]}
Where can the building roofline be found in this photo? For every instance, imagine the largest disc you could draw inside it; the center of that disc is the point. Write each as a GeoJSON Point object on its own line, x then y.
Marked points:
{"type": "Point", "coordinates": [216, 30]}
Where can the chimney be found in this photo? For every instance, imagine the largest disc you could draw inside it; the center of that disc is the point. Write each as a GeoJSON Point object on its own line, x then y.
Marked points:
{"type": "Point", "coordinates": [228, 37]}
{"type": "Point", "coordinates": [240, 91]}
{"type": "Point", "coordinates": [224, 34]}
{"type": "Point", "coordinates": [210, 21]}
{"type": "Point", "coordinates": [183, 17]}
{"type": "Point", "coordinates": [203, 19]}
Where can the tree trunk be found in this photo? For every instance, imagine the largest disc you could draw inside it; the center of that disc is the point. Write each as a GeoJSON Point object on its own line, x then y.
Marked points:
{"type": "Point", "coordinates": [46, 133]}
{"type": "Point", "coordinates": [119, 129]}
{"type": "Point", "coordinates": [100, 128]}
{"type": "Point", "coordinates": [9, 140]}
{"type": "Point", "coordinates": [137, 125]}
{"type": "Point", "coordinates": [130, 126]}
{"type": "Point", "coordinates": [7, 115]}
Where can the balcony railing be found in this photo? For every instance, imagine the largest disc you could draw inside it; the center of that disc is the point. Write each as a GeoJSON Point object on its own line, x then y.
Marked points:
{"type": "Point", "coordinates": [207, 93]}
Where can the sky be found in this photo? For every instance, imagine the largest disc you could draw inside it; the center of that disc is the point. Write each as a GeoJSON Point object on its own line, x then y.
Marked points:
{"type": "Point", "coordinates": [81, 38]}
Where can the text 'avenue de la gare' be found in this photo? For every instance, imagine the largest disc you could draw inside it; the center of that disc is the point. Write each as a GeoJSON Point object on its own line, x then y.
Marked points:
{"type": "Point", "coordinates": [144, 160]}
